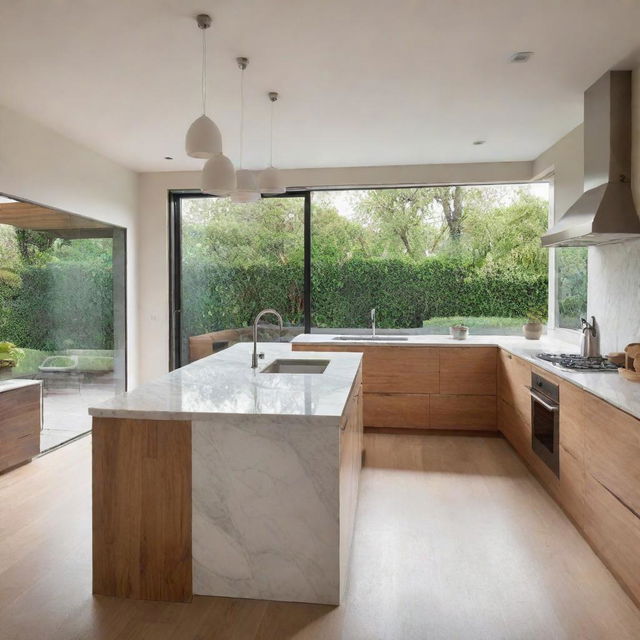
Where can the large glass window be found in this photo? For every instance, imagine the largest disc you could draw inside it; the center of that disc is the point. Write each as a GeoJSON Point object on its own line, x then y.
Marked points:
{"type": "Point", "coordinates": [237, 259]}
{"type": "Point", "coordinates": [571, 286]}
{"type": "Point", "coordinates": [429, 257]}
{"type": "Point", "coordinates": [62, 316]}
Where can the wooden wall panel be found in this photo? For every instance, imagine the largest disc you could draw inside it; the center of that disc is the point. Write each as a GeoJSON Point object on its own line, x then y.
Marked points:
{"type": "Point", "coordinates": [20, 416]}
{"type": "Point", "coordinates": [468, 370]}
{"type": "Point", "coordinates": [142, 509]}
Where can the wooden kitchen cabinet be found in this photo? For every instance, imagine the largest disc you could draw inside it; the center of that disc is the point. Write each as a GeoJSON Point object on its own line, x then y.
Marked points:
{"type": "Point", "coordinates": [514, 378]}
{"type": "Point", "coordinates": [424, 387]}
{"type": "Point", "coordinates": [400, 370]}
{"type": "Point", "coordinates": [463, 412]}
{"type": "Point", "coordinates": [614, 532]}
{"type": "Point", "coordinates": [612, 450]}
{"type": "Point", "coordinates": [20, 421]}
{"type": "Point", "coordinates": [396, 410]}
{"type": "Point", "coordinates": [468, 370]}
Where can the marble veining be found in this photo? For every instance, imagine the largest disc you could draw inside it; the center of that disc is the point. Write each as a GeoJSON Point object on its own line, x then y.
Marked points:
{"type": "Point", "coordinates": [225, 384]}
{"type": "Point", "coordinates": [266, 510]}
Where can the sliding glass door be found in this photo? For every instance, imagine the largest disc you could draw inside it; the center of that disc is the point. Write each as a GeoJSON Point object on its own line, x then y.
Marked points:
{"type": "Point", "coordinates": [230, 261]}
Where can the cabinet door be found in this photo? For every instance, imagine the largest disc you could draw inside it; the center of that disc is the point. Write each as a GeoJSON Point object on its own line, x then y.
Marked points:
{"type": "Point", "coordinates": [614, 531]}
{"type": "Point", "coordinates": [468, 370]}
{"type": "Point", "coordinates": [612, 450]}
{"type": "Point", "coordinates": [19, 425]}
{"type": "Point", "coordinates": [514, 376]}
{"type": "Point", "coordinates": [515, 429]}
{"type": "Point", "coordinates": [462, 412]}
{"type": "Point", "coordinates": [400, 369]}
{"type": "Point", "coordinates": [396, 410]}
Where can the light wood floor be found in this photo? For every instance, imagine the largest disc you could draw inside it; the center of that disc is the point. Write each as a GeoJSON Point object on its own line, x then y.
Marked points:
{"type": "Point", "coordinates": [454, 540]}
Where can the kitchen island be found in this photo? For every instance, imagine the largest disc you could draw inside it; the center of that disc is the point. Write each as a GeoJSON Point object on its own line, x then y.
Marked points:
{"type": "Point", "coordinates": [218, 479]}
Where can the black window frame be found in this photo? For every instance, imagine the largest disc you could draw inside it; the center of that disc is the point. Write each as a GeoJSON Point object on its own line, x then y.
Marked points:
{"type": "Point", "coordinates": [175, 264]}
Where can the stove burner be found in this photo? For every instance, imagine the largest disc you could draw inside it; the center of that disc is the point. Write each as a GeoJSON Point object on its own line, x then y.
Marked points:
{"type": "Point", "coordinates": [576, 362]}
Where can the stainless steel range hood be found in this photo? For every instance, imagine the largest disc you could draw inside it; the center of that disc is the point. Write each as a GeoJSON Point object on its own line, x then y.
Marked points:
{"type": "Point", "coordinates": [605, 212]}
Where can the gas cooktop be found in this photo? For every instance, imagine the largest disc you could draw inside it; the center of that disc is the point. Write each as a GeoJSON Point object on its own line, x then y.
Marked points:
{"type": "Point", "coordinates": [576, 362]}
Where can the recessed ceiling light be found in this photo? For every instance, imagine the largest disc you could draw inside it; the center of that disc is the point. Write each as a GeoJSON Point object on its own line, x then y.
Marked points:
{"type": "Point", "coordinates": [478, 142]}
{"type": "Point", "coordinates": [168, 158]}
{"type": "Point", "coordinates": [521, 56]}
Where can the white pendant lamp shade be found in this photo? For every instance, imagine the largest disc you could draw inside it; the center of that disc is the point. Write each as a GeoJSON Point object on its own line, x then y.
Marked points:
{"type": "Point", "coordinates": [270, 181]}
{"type": "Point", "coordinates": [203, 139]}
{"type": "Point", "coordinates": [218, 176]}
{"type": "Point", "coordinates": [246, 189]}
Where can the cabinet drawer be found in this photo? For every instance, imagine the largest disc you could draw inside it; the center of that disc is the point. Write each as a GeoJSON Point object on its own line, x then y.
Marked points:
{"type": "Point", "coordinates": [400, 370]}
{"type": "Point", "coordinates": [388, 369]}
{"type": "Point", "coordinates": [514, 376]}
{"type": "Point", "coordinates": [514, 428]}
{"type": "Point", "coordinates": [615, 532]}
{"type": "Point", "coordinates": [462, 412]}
{"type": "Point", "coordinates": [19, 425]}
{"type": "Point", "coordinates": [396, 410]}
{"type": "Point", "coordinates": [468, 370]}
{"type": "Point", "coordinates": [612, 449]}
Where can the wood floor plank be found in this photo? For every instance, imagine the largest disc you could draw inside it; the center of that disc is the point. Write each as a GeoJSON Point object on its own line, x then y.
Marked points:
{"type": "Point", "coordinates": [454, 539]}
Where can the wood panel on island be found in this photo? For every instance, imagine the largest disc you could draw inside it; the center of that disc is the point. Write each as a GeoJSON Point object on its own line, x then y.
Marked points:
{"type": "Point", "coordinates": [418, 387]}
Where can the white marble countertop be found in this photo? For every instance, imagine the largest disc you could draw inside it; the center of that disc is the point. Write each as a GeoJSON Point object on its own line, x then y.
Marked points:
{"type": "Point", "coordinates": [18, 383]}
{"type": "Point", "coordinates": [225, 385]}
{"type": "Point", "coordinates": [608, 386]}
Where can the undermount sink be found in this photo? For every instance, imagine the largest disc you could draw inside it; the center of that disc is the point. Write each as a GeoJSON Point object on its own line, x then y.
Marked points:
{"type": "Point", "coordinates": [377, 338]}
{"type": "Point", "coordinates": [296, 366]}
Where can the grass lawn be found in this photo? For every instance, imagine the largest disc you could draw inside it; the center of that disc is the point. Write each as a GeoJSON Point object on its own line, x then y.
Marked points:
{"type": "Point", "coordinates": [484, 322]}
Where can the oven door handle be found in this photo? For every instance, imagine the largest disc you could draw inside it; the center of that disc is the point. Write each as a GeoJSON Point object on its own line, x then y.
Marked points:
{"type": "Point", "coordinates": [545, 403]}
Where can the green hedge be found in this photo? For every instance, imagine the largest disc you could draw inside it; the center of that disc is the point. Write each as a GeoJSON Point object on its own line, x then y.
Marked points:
{"type": "Point", "coordinates": [58, 306]}
{"type": "Point", "coordinates": [405, 293]}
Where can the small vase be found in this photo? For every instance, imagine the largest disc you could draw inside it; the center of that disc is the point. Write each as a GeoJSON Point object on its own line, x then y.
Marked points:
{"type": "Point", "coordinates": [532, 330]}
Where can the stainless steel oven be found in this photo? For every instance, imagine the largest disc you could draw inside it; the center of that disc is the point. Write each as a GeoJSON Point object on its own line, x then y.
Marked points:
{"type": "Point", "coordinates": [545, 421]}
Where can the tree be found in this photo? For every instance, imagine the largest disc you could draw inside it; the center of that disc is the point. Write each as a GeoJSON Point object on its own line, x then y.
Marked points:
{"type": "Point", "coordinates": [32, 244]}
{"type": "Point", "coordinates": [451, 200]}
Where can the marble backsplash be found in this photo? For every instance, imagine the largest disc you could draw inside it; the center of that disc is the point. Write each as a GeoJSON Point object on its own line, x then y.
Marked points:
{"type": "Point", "coordinates": [614, 293]}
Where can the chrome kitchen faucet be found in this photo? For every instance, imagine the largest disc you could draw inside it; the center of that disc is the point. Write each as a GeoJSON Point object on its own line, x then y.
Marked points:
{"type": "Point", "coordinates": [255, 356]}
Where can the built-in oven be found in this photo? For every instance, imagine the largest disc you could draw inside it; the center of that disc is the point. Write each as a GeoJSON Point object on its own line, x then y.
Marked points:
{"type": "Point", "coordinates": [545, 421]}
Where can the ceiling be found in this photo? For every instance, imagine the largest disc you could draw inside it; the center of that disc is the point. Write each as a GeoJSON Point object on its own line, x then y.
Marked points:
{"type": "Point", "coordinates": [362, 82]}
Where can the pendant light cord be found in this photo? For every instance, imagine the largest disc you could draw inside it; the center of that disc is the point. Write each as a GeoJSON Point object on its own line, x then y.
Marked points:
{"type": "Point", "coordinates": [204, 72]}
{"type": "Point", "coordinates": [241, 114]}
{"type": "Point", "coordinates": [271, 136]}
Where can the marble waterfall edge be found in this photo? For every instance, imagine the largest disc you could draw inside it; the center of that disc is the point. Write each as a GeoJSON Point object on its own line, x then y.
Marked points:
{"type": "Point", "coordinates": [266, 510]}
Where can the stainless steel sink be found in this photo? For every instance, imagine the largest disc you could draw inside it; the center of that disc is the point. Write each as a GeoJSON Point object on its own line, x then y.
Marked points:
{"type": "Point", "coordinates": [296, 366]}
{"type": "Point", "coordinates": [373, 338]}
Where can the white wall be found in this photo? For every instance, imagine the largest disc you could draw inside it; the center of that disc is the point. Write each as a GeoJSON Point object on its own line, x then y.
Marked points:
{"type": "Point", "coordinates": [153, 247]}
{"type": "Point", "coordinates": [614, 270]}
{"type": "Point", "coordinates": [41, 166]}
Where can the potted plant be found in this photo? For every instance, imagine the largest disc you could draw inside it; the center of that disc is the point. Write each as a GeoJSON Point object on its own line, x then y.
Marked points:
{"type": "Point", "coordinates": [536, 317]}
{"type": "Point", "coordinates": [10, 355]}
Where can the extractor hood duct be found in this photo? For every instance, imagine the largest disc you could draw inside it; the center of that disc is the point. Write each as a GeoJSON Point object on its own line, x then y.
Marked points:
{"type": "Point", "coordinates": [605, 212]}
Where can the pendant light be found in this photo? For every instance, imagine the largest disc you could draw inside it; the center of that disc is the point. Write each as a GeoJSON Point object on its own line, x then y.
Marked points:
{"type": "Point", "coordinates": [203, 137]}
{"type": "Point", "coordinates": [246, 189]}
{"type": "Point", "coordinates": [270, 179]}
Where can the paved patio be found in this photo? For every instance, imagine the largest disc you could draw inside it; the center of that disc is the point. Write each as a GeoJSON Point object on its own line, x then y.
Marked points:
{"type": "Point", "coordinates": [65, 411]}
